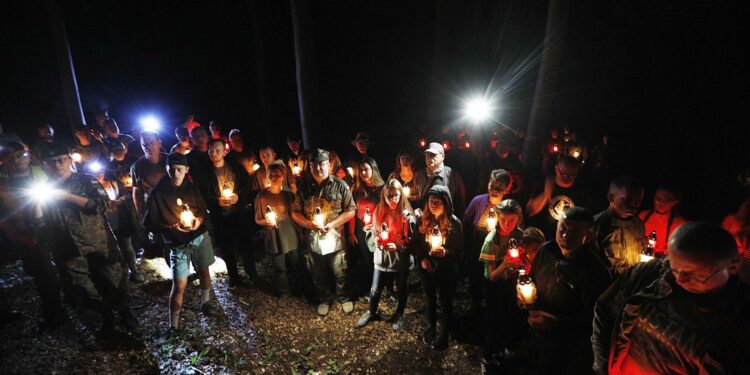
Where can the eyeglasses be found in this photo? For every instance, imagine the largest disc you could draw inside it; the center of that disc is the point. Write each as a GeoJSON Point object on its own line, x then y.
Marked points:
{"type": "Point", "coordinates": [690, 277]}
{"type": "Point", "coordinates": [21, 155]}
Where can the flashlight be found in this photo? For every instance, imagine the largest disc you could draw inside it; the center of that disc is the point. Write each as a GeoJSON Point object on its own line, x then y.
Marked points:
{"type": "Point", "coordinates": [76, 156]}
{"type": "Point", "coordinates": [150, 123]}
{"type": "Point", "coordinates": [41, 192]}
{"type": "Point", "coordinates": [478, 110]}
{"type": "Point", "coordinates": [95, 167]}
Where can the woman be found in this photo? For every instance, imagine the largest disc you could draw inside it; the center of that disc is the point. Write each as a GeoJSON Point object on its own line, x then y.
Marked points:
{"type": "Point", "coordinates": [438, 259]}
{"type": "Point", "coordinates": [388, 237]}
{"type": "Point", "coordinates": [502, 256]}
{"type": "Point", "coordinates": [404, 173]}
{"type": "Point", "coordinates": [662, 220]}
{"type": "Point", "coordinates": [366, 194]}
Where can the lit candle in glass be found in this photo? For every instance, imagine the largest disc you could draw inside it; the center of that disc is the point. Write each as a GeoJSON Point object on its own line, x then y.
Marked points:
{"type": "Point", "coordinates": [648, 251]}
{"type": "Point", "coordinates": [226, 191]}
{"type": "Point", "coordinates": [127, 180]}
{"type": "Point", "coordinates": [384, 235]}
{"type": "Point", "coordinates": [296, 169]}
{"type": "Point", "coordinates": [271, 216]}
{"type": "Point", "coordinates": [514, 250]}
{"type": "Point", "coordinates": [436, 239]}
{"type": "Point", "coordinates": [186, 217]}
{"type": "Point", "coordinates": [406, 191]}
{"type": "Point", "coordinates": [367, 217]}
{"type": "Point", "coordinates": [350, 170]}
{"type": "Point", "coordinates": [319, 219]}
{"type": "Point", "coordinates": [526, 288]}
{"type": "Point", "coordinates": [491, 220]}
{"type": "Point", "coordinates": [256, 166]}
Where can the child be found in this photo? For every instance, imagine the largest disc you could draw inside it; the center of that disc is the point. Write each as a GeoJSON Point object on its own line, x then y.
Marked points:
{"type": "Point", "coordinates": [389, 236]}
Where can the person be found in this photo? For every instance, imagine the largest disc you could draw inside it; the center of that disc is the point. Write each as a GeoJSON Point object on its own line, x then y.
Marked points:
{"type": "Point", "coordinates": [683, 314]}
{"type": "Point", "coordinates": [89, 264]}
{"type": "Point", "coordinates": [273, 207]}
{"type": "Point", "coordinates": [148, 170]}
{"type": "Point", "coordinates": [361, 144]}
{"type": "Point", "coordinates": [738, 225]}
{"type": "Point", "coordinates": [437, 173]}
{"type": "Point", "coordinates": [200, 165]}
{"type": "Point", "coordinates": [112, 135]}
{"type": "Point", "coordinates": [559, 192]}
{"type": "Point", "coordinates": [295, 157]}
{"type": "Point", "coordinates": [404, 173]}
{"type": "Point", "coordinates": [183, 145]}
{"type": "Point", "coordinates": [268, 156]}
{"type": "Point", "coordinates": [504, 322]}
{"type": "Point", "coordinates": [17, 225]}
{"type": "Point", "coordinates": [366, 193]}
{"type": "Point", "coordinates": [45, 138]}
{"type": "Point", "coordinates": [190, 122]}
{"type": "Point", "coordinates": [569, 278]}
{"type": "Point", "coordinates": [87, 149]}
{"type": "Point", "coordinates": [240, 154]}
{"type": "Point", "coordinates": [322, 207]}
{"type": "Point", "coordinates": [215, 130]}
{"type": "Point", "coordinates": [337, 169]}
{"type": "Point", "coordinates": [475, 222]}
{"type": "Point", "coordinates": [505, 157]}
{"type": "Point", "coordinates": [662, 219]}
{"type": "Point", "coordinates": [389, 237]}
{"type": "Point", "coordinates": [184, 234]}
{"type": "Point", "coordinates": [119, 217]}
{"type": "Point", "coordinates": [7, 137]}
{"type": "Point", "coordinates": [227, 197]}
{"type": "Point", "coordinates": [620, 233]}
{"type": "Point", "coordinates": [533, 239]}
{"type": "Point", "coordinates": [439, 263]}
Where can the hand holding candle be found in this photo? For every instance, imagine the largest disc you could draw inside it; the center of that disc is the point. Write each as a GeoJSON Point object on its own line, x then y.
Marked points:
{"type": "Point", "coordinates": [271, 216]}
{"type": "Point", "coordinates": [525, 289]}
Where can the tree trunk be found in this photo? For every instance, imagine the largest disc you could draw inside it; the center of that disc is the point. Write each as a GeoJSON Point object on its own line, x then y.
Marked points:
{"type": "Point", "coordinates": [304, 61]}
{"type": "Point", "coordinates": [260, 68]}
{"type": "Point", "coordinates": [554, 38]}
{"type": "Point", "coordinates": [68, 81]}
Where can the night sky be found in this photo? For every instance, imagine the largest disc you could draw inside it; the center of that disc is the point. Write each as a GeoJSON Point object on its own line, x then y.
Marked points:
{"type": "Point", "coordinates": [667, 80]}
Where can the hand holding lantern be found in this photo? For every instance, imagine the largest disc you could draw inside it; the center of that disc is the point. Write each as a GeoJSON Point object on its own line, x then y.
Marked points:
{"type": "Point", "coordinates": [76, 156]}
{"type": "Point", "coordinates": [296, 169]}
{"type": "Point", "coordinates": [367, 217]}
{"type": "Point", "coordinates": [271, 216]}
{"type": "Point", "coordinates": [226, 191]}
{"type": "Point", "coordinates": [436, 241]}
{"type": "Point", "coordinates": [525, 289]}
{"type": "Point", "coordinates": [648, 252]}
{"type": "Point", "coordinates": [384, 236]}
{"type": "Point", "coordinates": [514, 253]}
{"type": "Point", "coordinates": [406, 192]}
{"type": "Point", "coordinates": [491, 220]}
{"type": "Point", "coordinates": [319, 219]}
{"type": "Point", "coordinates": [187, 218]}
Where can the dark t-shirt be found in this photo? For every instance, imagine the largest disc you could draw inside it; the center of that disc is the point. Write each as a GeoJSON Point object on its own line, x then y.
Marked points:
{"type": "Point", "coordinates": [560, 200]}
{"type": "Point", "coordinates": [283, 238]}
{"type": "Point", "coordinates": [146, 175]}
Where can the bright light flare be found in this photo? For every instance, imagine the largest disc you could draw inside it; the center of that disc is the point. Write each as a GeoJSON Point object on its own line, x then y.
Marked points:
{"type": "Point", "coordinates": [478, 110]}
{"type": "Point", "coordinates": [95, 167]}
{"type": "Point", "coordinates": [41, 192]}
{"type": "Point", "coordinates": [150, 123]}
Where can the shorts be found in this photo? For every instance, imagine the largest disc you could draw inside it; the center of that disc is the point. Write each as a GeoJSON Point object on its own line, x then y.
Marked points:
{"type": "Point", "coordinates": [199, 249]}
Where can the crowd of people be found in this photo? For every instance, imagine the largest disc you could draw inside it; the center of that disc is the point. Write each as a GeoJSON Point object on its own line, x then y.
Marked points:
{"type": "Point", "coordinates": [609, 288]}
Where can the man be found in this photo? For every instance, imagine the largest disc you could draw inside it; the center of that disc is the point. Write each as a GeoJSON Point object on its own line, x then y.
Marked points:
{"type": "Point", "coordinates": [569, 278]}
{"type": "Point", "coordinates": [183, 145]}
{"type": "Point", "coordinates": [200, 165]}
{"type": "Point", "coordinates": [186, 236]}
{"type": "Point", "coordinates": [323, 205]}
{"type": "Point", "coordinates": [437, 173]}
{"type": "Point", "coordinates": [227, 197]}
{"type": "Point", "coordinates": [619, 230]}
{"type": "Point", "coordinates": [684, 314]}
{"type": "Point", "coordinates": [147, 171]}
{"type": "Point", "coordinates": [268, 156]}
{"type": "Point", "coordinates": [559, 193]}
{"type": "Point", "coordinates": [240, 154]}
{"type": "Point", "coordinates": [88, 148]}
{"type": "Point", "coordinates": [45, 138]}
{"type": "Point", "coordinates": [295, 157]}
{"type": "Point", "coordinates": [90, 265]}
{"type": "Point", "coordinates": [16, 224]}
{"type": "Point", "coordinates": [112, 135]}
{"type": "Point", "coordinates": [216, 133]}
{"type": "Point", "coordinates": [505, 157]}
{"type": "Point", "coordinates": [362, 145]}
{"type": "Point", "coordinates": [190, 122]}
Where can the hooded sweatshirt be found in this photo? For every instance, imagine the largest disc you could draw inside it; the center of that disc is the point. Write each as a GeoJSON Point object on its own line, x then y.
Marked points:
{"type": "Point", "coordinates": [453, 239]}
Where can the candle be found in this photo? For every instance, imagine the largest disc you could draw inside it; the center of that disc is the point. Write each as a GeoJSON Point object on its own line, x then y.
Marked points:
{"type": "Point", "coordinates": [319, 219]}
{"type": "Point", "coordinates": [648, 252]}
{"type": "Point", "coordinates": [76, 157]}
{"type": "Point", "coordinates": [436, 239]}
{"type": "Point", "coordinates": [127, 181]}
{"type": "Point", "coordinates": [256, 166]}
{"type": "Point", "coordinates": [271, 216]}
{"type": "Point", "coordinates": [514, 250]}
{"type": "Point", "coordinates": [226, 192]}
{"type": "Point", "coordinates": [186, 217]}
{"type": "Point", "coordinates": [526, 288]}
{"type": "Point", "coordinates": [406, 191]}
{"type": "Point", "coordinates": [350, 170]}
{"type": "Point", "coordinates": [491, 220]}
{"type": "Point", "coordinates": [296, 169]}
{"type": "Point", "coordinates": [384, 235]}
{"type": "Point", "coordinates": [367, 218]}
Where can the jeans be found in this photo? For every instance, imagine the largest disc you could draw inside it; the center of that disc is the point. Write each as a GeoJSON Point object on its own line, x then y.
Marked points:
{"type": "Point", "coordinates": [380, 279]}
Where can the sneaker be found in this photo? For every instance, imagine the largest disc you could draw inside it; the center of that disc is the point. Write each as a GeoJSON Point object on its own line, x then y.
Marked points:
{"type": "Point", "coordinates": [283, 301]}
{"type": "Point", "coordinates": [365, 318]}
{"type": "Point", "coordinates": [209, 308]}
{"type": "Point", "coordinates": [347, 307]}
{"type": "Point", "coordinates": [429, 335]}
{"type": "Point", "coordinates": [323, 309]}
{"type": "Point", "coordinates": [137, 277]}
{"type": "Point", "coordinates": [397, 321]}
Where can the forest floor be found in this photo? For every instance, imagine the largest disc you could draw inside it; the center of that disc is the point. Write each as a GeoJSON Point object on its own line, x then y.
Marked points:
{"type": "Point", "coordinates": [249, 334]}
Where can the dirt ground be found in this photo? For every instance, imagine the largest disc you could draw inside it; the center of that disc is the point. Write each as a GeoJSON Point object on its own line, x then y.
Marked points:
{"type": "Point", "coordinates": [250, 334]}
